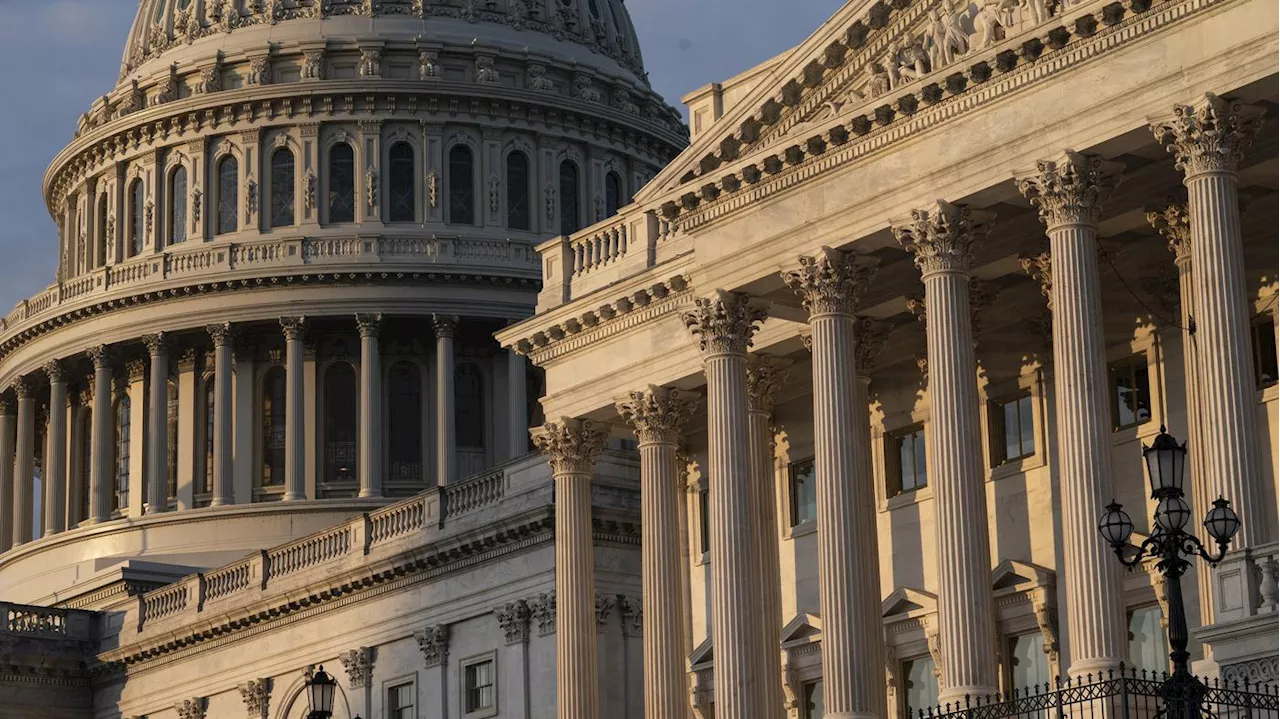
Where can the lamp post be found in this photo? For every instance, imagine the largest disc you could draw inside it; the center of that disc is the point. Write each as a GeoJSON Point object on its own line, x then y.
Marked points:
{"type": "Point", "coordinates": [1171, 546]}
{"type": "Point", "coordinates": [320, 690]}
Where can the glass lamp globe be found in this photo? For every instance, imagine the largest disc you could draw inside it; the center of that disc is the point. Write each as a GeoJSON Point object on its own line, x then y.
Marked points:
{"type": "Point", "coordinates": [1166, 463]}
{"type": "Point", "coordinates": [1222, 522]}
{"type": "Point", "coordinates": [320, 691]}
{"type": "Point", "coordinates": [1115, 525]}
{"type": "Point", "coordinates": [1172, 514]}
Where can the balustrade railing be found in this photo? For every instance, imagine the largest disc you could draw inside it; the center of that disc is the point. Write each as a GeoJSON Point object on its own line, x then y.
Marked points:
{"type": "Point", "coordinates": [308, 552]}
{"type": "Point", "coordinates": [165, 601]}
{"type": "Point", "coordinates": [472, 494]}
{"type": "Point", "coordinates": [34, 621]}
{"type": "Point", "coordinates": [227, 580]}
{"type": "Point", "coordinates": [397, 520]}
{"type": "Point", "coordinates": [598, 246]}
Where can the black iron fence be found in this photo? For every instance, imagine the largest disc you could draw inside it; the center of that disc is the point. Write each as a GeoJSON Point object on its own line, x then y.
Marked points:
{"type": "Point", "coordinates": [1119, 694]}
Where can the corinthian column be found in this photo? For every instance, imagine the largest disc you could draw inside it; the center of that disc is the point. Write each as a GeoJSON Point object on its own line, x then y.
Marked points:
{"type": "Point", "coordinates": [55, 461]}
{"type": "Point", "coordinates": [446, 443]}
{"type": "Point", "coordinates": [223, 489]}
{"type": "Point", "coordinates": [943, 238]}
{"type": "Point", "coordinates": [571, 447]}
{"type": "Point", "coordinates": [158, 429]}
{"type": "Point", "coordinates": [830, 286]}
{"type": "Point", "coordinates": [101, 459]}
{"type": "Point", "coordinates": [295, 486]}
{"type": "Point", "coordinates": [1208, 142]}
{"type": "Point", "coordinates": [723, 326]}
{"type": "Point", "coordinates": [656, 416]}
{"type": "Point", "coordinates": [370, 406]}
{"type": "Point", "coordinates": [24, 461]}
{"type": "Point", "coordinates": [1067, 191]}
{"type": "Point", "coordinates": [8, 427]}
{"type": "Point", "coordinates": [764, 376]}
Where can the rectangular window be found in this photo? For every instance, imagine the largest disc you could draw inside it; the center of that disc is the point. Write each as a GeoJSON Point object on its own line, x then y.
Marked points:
{"type": "Point", "coordinates": [812, 702]}
{"type": "Point", "coordinates": [804, 495]}
{"type": "Point", "coordinates": [1130, 392]}
{"type": "Point", "coordinates": [1012, 429]}
{"type": "Point", "coordinates": [400, 702]}
{"type": "Point", "coordinates": [920, 684]}
{"type": "Point", "coordinates": [1028, 664]}
{"type": "Point", "coordinates": [905, 456]}
{"type": "Point", "coordinates": [478, 687]}
{"type": "Point", "coordinates": [704, 520]}
{"type": "Point", "coordinates": [1148, 649]}
{"type": "Point", "coordinates": [1264, 350]}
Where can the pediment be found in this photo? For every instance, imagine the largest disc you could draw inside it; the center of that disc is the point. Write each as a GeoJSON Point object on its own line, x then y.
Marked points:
{"type": "Point", "coordinates": [802, 628]}
{"type": "Point", "coordinates": [702, 654]}
{"type": "Point", "coordinates": [905, 600]}
{"type": "Point", "coordinates": [1011, 574]}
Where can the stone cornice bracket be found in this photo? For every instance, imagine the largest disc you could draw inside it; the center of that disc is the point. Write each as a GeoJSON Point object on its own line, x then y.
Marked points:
{"type": "Point", "coordinates": [1039, 267]}
{"type": "Point", "coordinates": [56, 370]}
{"type": "Point", "coordinates": [369, 324]}
{"type": "Point", "coordinates": [100, 355]}
{"type": "Point", "coordinates": [293, 327]}
{"type": "Point", "coordinates": [943, 236]}
{"type": "Point", "coordinates": [513, 618]}
{"type": "Point", "coordinates": [257, 697]}
{"type": "Point", "coordinates": [221, 334]}
{"type": "Point", "coordinates": [1070, 189]}
{"type": "Point", "coordinates": [869, 339]}
{"type": "Point", "coordinates": [433, 642]}
{"type": "Point", "coordinates": [157, 343]}
{"type": "Point", "coordinates": [657, 413]}
{"type": "Point", "coordinates": [359, 665]}
{"type": "Point", "coordinates": [831, 282]}
{"type": "Point", "coordinates": [1173, 222]}
{"type": "Point", "coordinates": [445, 325]}
{"type": "Point", "coordinates": [571, 445]}
{"type": "Point", "coordinates": [723, 324]}
{"type": "Point", "coordinates": [1210, 136]}
{"type": "Point", "coordinates": [764, 376]}
{"type": "Point", "coordinates": [23, 388]}
{"type": "Point", "coordinates": [190, 708]}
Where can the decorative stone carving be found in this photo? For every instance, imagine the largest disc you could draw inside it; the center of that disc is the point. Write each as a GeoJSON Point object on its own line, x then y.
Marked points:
{"type": "Point", "coordinates": [313, 65]}
{"type": "Point", "coordinates": [257, 697]}
{"type": "Point", "coordinates": [259, 71]}
{"type": "Point", "coordinates": [1209, 137]}
{"type": "Point", "coordinates": [359, 666]}
{"type": "Point", "coordinates": [944, 39]}
{"type": "Point", "coordinates": [1069, 190]}
{"type": "Point", "coordinates": [371, 188]}
{"type": "Point", "coordinates": [831, 282]}
{"type": "Point", "coordinates": [292, 327]}
{"type": "Point", "coordinates": [433, 642]}
{"type": "Point", "coordinates": [135, 370]}
{"type": "Point", "coordinates": [764, 376]}
{"type": "Point", "coordinates": [369, 324]}
{"type": "Point", "coordinates": [583, 89]}
{"type": "Point", "coordinates": [514, 620]}
{"type": "Point", "coordinates": [723, 324]}
{"type": "Point", "coordinates": [428, 65]}
{"type": "Point", "coordinates": [309, 191]}
{"type": "Point", "coordinates": [657, 413]}
{"type": "Point", "coordinates": [869, 340]}
{"type": "Point", "coordinates": [1047, 620]}
{"type": "Point", "coordinates": [1262, 671]}
{"type": "Point", "coordinates": [544, 613]}
{"type": "Point", "coordinates": [571, 445]}
{"type": "Point", "coordinates": [371, 62]}
{"type": "Point", "coordinates": [604, 605]}
{"type": "Point", "coordinates": [197, 198]}
{"type": "Point", "coordinates": [631, 612]}
{"type": "Point", "coordinates": [149, 216]}
{"type": "Point", "coordinates": [190, 708]}
{"type": "Point", "coordinates": [537, 79]}
{"type": "Point", "coordinates": [444, 325]}
{"type": "Point", "coordinates": [1174, 224]}
{"type": "Point", "coordinates": [1039, 267]}
{"type": "Point", "coordinates": [210, 78]}
{"type": "Point", "coordinates": [56, 371]}
{"type": "Point", "coordinates": [157, 343]}
{"type": "Point", "coordinates": [433, 189]}
{"type": "Point", "coordinates": [943, 236]}
{"type": "Point", "coordinates": [485, 72]}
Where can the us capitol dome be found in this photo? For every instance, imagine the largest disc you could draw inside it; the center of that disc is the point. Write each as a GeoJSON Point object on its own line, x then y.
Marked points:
{"type": "Point", "coordinates": [285, 240]}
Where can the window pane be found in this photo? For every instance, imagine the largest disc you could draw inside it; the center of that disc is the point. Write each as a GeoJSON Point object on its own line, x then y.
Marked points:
{"type": "Point", "coordinates": [137, 210]}
{"type": "Point", "coordinates": [273, 417]}
{"type": "Point", "coordinates": [1028, 664]}
{"type": "Point", "coordinates": [461, 190]}
{"type": "Point", "coordinates": [479, 686]}
{"type": "Point", "coordinates": [570, 221]}
{"type": "Point", "coordinates": [804, 498]}
{"type": "Point", "coordinates": [1028, 426]}
{"type": "Point", "coordinates": [400, 702]}
{"type": "Point", "coordinates": [468, 390]}
{"type": "Point", "coordinates": [1012, 441]}
{"type": "Point", "coordinates": [340, 408]}
{"type": "Point", "coordinates": [1264, 351]}
{"type": "Point", "coordinates": [517, 191]}
{"type": "Point", "coordinates": [404, 415]}
{"type": "Point", "coordinates": [921, 685]}
{"type": "Point", "coordinates": [171, 421]}
{"type": "Point", "coordinates": [813, 701]}
{"type": "Point", "coordinates": [178, 206]}
{"type": "Point", "coordinates": [228, 194]}
{"type": "Point", "coordinates": [704, 520]}
{"type": "Point", "coordinates": [102, 230]}
{"type": "Point", "coordinates": [612, 194]}
{"type": "Point", "coordinates": [282, 188]}
{"type": "Point", "coordinates": [342, 184]}
{"type": "Point", "coordinates": [906, 463]}
{"type": "Point", "coordinates": [922, 478]}
{"type": "Point", "coordinates": [209, 395]}
{"type": "Point", "coordinates": [123, 420]}
{"type": "Point", "coordinates": [1142, 392]}
{"type": "Point", "coordinates": [403, 184]}
{"type": "Point", "coordinates": [1148, 649]}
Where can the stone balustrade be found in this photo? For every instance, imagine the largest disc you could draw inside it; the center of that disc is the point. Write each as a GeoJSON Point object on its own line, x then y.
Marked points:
{"type": "Point", "coordinates": [28, 620]}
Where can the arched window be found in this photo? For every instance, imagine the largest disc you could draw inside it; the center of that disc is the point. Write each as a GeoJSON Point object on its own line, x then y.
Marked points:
{"type": "Point", "coordinates": [282, 187]}
{"type": "Point", "coordinates": [404, 422]}
{"type": "Point", "coordinates": [468, 394]}
{"type": "Point", "coordinates": [340, 408]}
{"type": "Point", "coordinates": [71, 237]}
{"type": "Point", "coordinates": [612, 194]}
{"type": "Point", "coordinates": [402, 183]}
{"type": "Point", "coordinates": [273, 415]}
{"type": "Point", "coordinates": [172, 435]}
{"type": "Point", "coordinates": [569, 219]}
{"type": "Point", "coordinates": [103, 240]}
{"type": "Point", "coordinates": [461, 192]}
{"type": "Point", "coordinates": [122, 452]}
{"type": "Point", "coordinates": [178, 206]}
{"type": "Point", "coordinates": [228, 195]}
{"type": "Point", "coordinates": [517, 191]}
{"type": "Point", "coordinates": [208, 409]}
{"type": "Point", "coordinates": [342, 183]}
{"type": "Point", "coordinates": [137, 217]}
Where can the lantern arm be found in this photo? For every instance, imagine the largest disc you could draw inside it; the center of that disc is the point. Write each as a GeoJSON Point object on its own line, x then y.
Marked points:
{"type": "Point", "coordinates": [1150, 547]}
{"type": "Point", "coordinates": [1193, 547]}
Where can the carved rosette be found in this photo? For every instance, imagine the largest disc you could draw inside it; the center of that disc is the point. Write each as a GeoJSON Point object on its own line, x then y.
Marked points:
{"type": "Point", "coordinates": [657, 413]}
{"type": "Point", "coordinates": [764, 376]}
{"type": "Point", "coordinates": [723, 324]}
{"type": "Point", "coordinates": [292, 327]}
{"type": "Point", "coordinates": [514, 619]}
{"type": "Point", "coordinates": [571, 445]}
{"type": "Point", "coordinates": [257, 697]}
{"type": "Point", "coordinates": [359, 665]}
{"type": "Point", "coordinates": [221, 334]}
{"type": "Point", "coordinates": [868, 343]}
{"type": "Point", "coordinates": [1039, 267]}
{"type": "Point", "coordinates": [1069, 190]}
{"type": "Point", "coordinates": [445, 325]}
{"type": "Point", "coordinates": [943, 236]}
{"type": "Point", "coordinates": [369, 324]}
{"type": "Point", "coordinates": [1211, 136]}
{"type": "Point", "coordinates": [1174, 224]}
{"type": "Point", "coordinates": [831, 282]}
{"type": "Point", "coordinates": [433, 642]}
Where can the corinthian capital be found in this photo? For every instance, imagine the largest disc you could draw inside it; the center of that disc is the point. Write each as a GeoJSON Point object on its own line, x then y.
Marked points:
{"type": "Point", "coordinates": [1210, 136]}
{"type": "Point", "coordinates": [220, 333]}
{"type": "Point", "coordinates": [943, 236]}
{"type": "Point", "coordinates": [23, 388]}
{"type": "Point", "coordinates": [1068, 190]}
{"type": "Point", "coordinates": [292, 327]}
{"type": "Point", "coordinates": [101, 357]}
{"type": "Point", "coordinates": [831, 282]}
{"type": "Point", "coordinates": [764, 376]}
{"type": "Point", "coordinates": [571, 445]}
{"type": "Point", "coordinates": [1039, 267]}
{"type": "Point", "coordinates": [369, 324]}
{"type": "Point", "coordinates": [56, 370]}
{"type": "Point", "coordinates": [657, 413]}
{"type": "Point", "coordinates": [1174, 225]}
{"type": "Point", "coordinates": [723, 324]}
{"type": "Point", "coordinates": [445, 325]}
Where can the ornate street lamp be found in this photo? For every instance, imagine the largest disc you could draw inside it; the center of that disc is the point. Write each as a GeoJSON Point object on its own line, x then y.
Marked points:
{"type": "Point", "coordinates": [1170, 545]}
{"type": "Point", "coordinates": [320, 690]}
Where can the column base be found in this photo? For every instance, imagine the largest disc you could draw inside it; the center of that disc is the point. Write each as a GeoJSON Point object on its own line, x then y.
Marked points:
{"type": "Point", "coordinates": [850, 715]}
{"type": "Point", "coordinates": [369, 494]}
{"type": "Point", "coordinates": [293, 497]}
{"type": "Point", "coordinates": [956, 695]}
{"type": "Point", "coordinates": [219, 502]}
{"type": "Point", "coordinates": [1098, 666]}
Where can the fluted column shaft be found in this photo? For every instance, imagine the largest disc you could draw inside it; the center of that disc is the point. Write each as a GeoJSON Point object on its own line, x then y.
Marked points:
{"type": "Point", "coordinates": [370, 406]}
{"type": "Point", "coordinates": [1068, 192]}
{"type": "Point", "coordinates": [100, 440]}
{"type": "Point", "coordinates": [223, 362]}
{"type": "Point", "coordinates": [764, 512]}
{"type": "Point", "coordinates": [517, 406]}
{"type": "Point", "coordinates": [446, 443]}
{"type": "Point", "coordinates": [294, 424]}
{"type": "Point", "coordinates": [656, 416]}
{"type": "Point", "coordinates": [158, 426]}
{"type": "Point", "coordinates": [943, 239]}
{"type": "Point", "coordinates": [724, 326]}
{"type": "Point", "coordinates": [24, 464]}
{"type": "Point", "coordinates": [55, 461]}
{"type": "Point", "coordinates": [8, 427]}
{"type": "Point", "coordinates": [571, 447]}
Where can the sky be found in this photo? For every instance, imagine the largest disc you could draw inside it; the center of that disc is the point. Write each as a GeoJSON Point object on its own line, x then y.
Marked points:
{"type": "Point", "coordinates": [60, 55]}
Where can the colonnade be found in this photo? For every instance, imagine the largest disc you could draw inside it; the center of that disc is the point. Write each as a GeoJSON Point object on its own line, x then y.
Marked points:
{"type": "Point", "coordinates": [1067, 191]}
{"type": "Point", "coordinates": [231, 427]}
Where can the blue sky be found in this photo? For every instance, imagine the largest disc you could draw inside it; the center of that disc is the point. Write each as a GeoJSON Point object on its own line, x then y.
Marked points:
{"type": "Point", "coordinates": [59, 55]}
